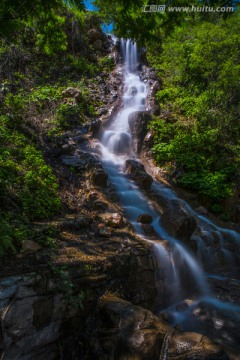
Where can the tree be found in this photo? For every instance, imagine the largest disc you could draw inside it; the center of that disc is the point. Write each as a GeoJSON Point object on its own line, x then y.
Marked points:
{"type": "Point", "coordinates": [44, 15]}
{"type": "Point", "coordinates": [197, 134]}
{"type": "Point", "coordinates": [130, 21]}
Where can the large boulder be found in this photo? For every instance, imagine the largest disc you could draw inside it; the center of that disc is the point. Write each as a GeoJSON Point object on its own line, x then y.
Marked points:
{"type": "Point", "coordinates": [117, 142]}
{"type": "Point", "coordinates": [138, 173]}
{"type": "Point", "coordinates": [74, 93]}
{"type": "Point", "coordinates": [98, 45]}
{"type": "Point", "coordinates": [178, 220]}
{"type": "Point", "coordinates": [36, 317]}
{"type": "Point", "coordinates": [94, 35]}
{"type": "Point", "coordinates": [95, 127]}
{"type": "Point", "coordinates": [130, 332]}
{"type": "Point", "coordinates": [30, 246]}
{"type": "Point", "coordinates": [138, 123]}
{"type": "Point", "coordinates": [99, 177]}
{"type": "Point", "coordinates": [112, 219]}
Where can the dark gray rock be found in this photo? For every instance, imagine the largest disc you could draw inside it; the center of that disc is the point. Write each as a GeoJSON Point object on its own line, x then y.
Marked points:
{"type": "Point", "coordinates": [94, 35]}
{"type": "Point", "coordinates": [145, 219]}
{"type": "Point", "coordinates": [138, 173]}
{"type": "Point", "coordinates": [99, 177]}
{"type": "Point", "coordinates": [73, 161]}
{"type": "Point", "coordinates": [149, 75]}
{"type": "Point", "coordinates": [73, 93]}
{"type": "Point", "coordinates": [95, 127]}
{"type": "Point", "coordinates": [178, 221]}
{"type": "Point", "coordinates": [131, 332]}
{"type": "Point", "coordinates": [98, 45]}
{"type": "Point", "coordinates": [79, 222]}
{"type": "Point", "coordinates": [138, 123]}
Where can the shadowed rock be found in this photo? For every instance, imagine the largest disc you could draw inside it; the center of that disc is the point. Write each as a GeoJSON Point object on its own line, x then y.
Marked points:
{"type": "Point", "coordinates": [178, 221]}
{"type": "Point", "coordinates": [131, 332]}
{"type": "Point", "coordinates": [145, 219]}
{"type": "Point", "coordinates": [138, 173]}
{"type": "Point", "coordinates": [99, 177]}
{"type": "Point", "coordinates": [138, 123]}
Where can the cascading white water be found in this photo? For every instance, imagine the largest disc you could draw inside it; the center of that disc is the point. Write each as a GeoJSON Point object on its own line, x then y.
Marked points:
{"type": "Point", "coordinates": [116, 149]}
{"type": "Point", "coordinates": [116, 141]}
{"type": "Point", "coordinates": [207, 236]}
{"type": "Point", "coordinates": [177, 267]}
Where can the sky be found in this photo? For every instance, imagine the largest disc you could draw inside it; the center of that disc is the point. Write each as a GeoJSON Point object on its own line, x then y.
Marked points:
{"type": "Point", "coordinates": [88, 4]}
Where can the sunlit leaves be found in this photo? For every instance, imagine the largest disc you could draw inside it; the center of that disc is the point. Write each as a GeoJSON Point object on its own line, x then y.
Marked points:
{"type": "Point", "coordinates": [198, 132]}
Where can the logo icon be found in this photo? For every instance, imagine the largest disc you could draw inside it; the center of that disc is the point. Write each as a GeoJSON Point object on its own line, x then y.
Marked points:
{"type": "Point", "coordinates": [161, 8]}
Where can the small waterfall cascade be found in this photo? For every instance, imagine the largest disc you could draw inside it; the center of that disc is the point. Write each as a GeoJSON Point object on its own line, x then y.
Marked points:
{"type": "Point", "coordinates": [179, 271]}
{"type": "Point", "coordinates": [116, 149]}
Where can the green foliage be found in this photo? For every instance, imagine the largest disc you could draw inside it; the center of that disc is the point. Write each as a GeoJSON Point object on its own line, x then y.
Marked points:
{"type": "Point", "coordinates": [68, 115]}
{"type": "Point", "coordinates": [24, 176]}
{"type": "Point", "coordinates": [44, 15]}
{"type": "Point", "coordinates": [51, 37]}
{"type": "Point", "coordinates": [107, 63]}
{"type": "Point", "coordinates": [44, 93]}
{"type": "Point", "coordinates": [6, 237]}
{"type": "Point", "coordinates": [15, 228]}
{"type": "Point", "coordinates": [44, 49]}
{"type": "Point", "coordinates": [74, 297]}
{"type": "Point", "coordinates": [81, 65]}
{"type": "Point", "coordinates": [15, 103]}
{"type": "Point", "coordinates": [151, 28]}
{"type": "Point", "coordinates": [80, 299]}
{"type": "Point", "coordinates": [45, 235]}
{"type": "Point", "coordinates": [197, 135]}
{"type": "Point", "coordinates": [200, 163]}
{"type": "Point", "coordinates": [39, 188]}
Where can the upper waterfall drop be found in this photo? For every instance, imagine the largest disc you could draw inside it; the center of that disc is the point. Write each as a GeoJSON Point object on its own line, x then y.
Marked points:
{"type": "Point", "coordinates": [116, 141]}
{"type": "Point", "coordinates": [129, 54]}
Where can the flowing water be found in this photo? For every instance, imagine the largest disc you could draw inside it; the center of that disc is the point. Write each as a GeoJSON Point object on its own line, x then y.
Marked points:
{"type": "Point", "coordinates": [180, 274]}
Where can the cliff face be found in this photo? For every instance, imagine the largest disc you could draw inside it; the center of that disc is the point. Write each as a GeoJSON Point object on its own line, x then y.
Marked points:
{"type": "Point", "coordinates": [53, 312]}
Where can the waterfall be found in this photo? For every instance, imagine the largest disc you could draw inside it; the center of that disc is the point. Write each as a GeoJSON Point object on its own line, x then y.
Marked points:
{"type": "Point", "coordinates": [116, 149]}
{"type": "Point", "coordinates": [179, 274]}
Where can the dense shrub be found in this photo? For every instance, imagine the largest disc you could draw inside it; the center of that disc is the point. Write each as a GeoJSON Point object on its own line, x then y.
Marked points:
{"type": "Point", "coordinates": [197, 133]}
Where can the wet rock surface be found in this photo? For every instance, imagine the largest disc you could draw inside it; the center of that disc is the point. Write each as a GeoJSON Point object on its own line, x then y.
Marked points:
{"type": "Point", "coordinates": [210, 317]}
{"type": "Point", "coordinates": [138, 122]}
{"type": "Point", "coordinates": [137, 172]}
{"type": "Point", "coordinates": [145, 219]}
{"type": "Point", "coordinates": [178, 221]}
{"type": "Point", "coordinates": [99, 177]}
{"type": "Point", "coordinates": [113, 100]}
{"type": "Point", "coordinates": [131, 332]}
{"type": "Point", "coordinates": [112, 219]}
{"type": "Point", "coordinates": [47, 312]}
{"type": "Point", "coordinates": [43, 314]}
{"type": "Point", "coordinates": [149, 75]}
